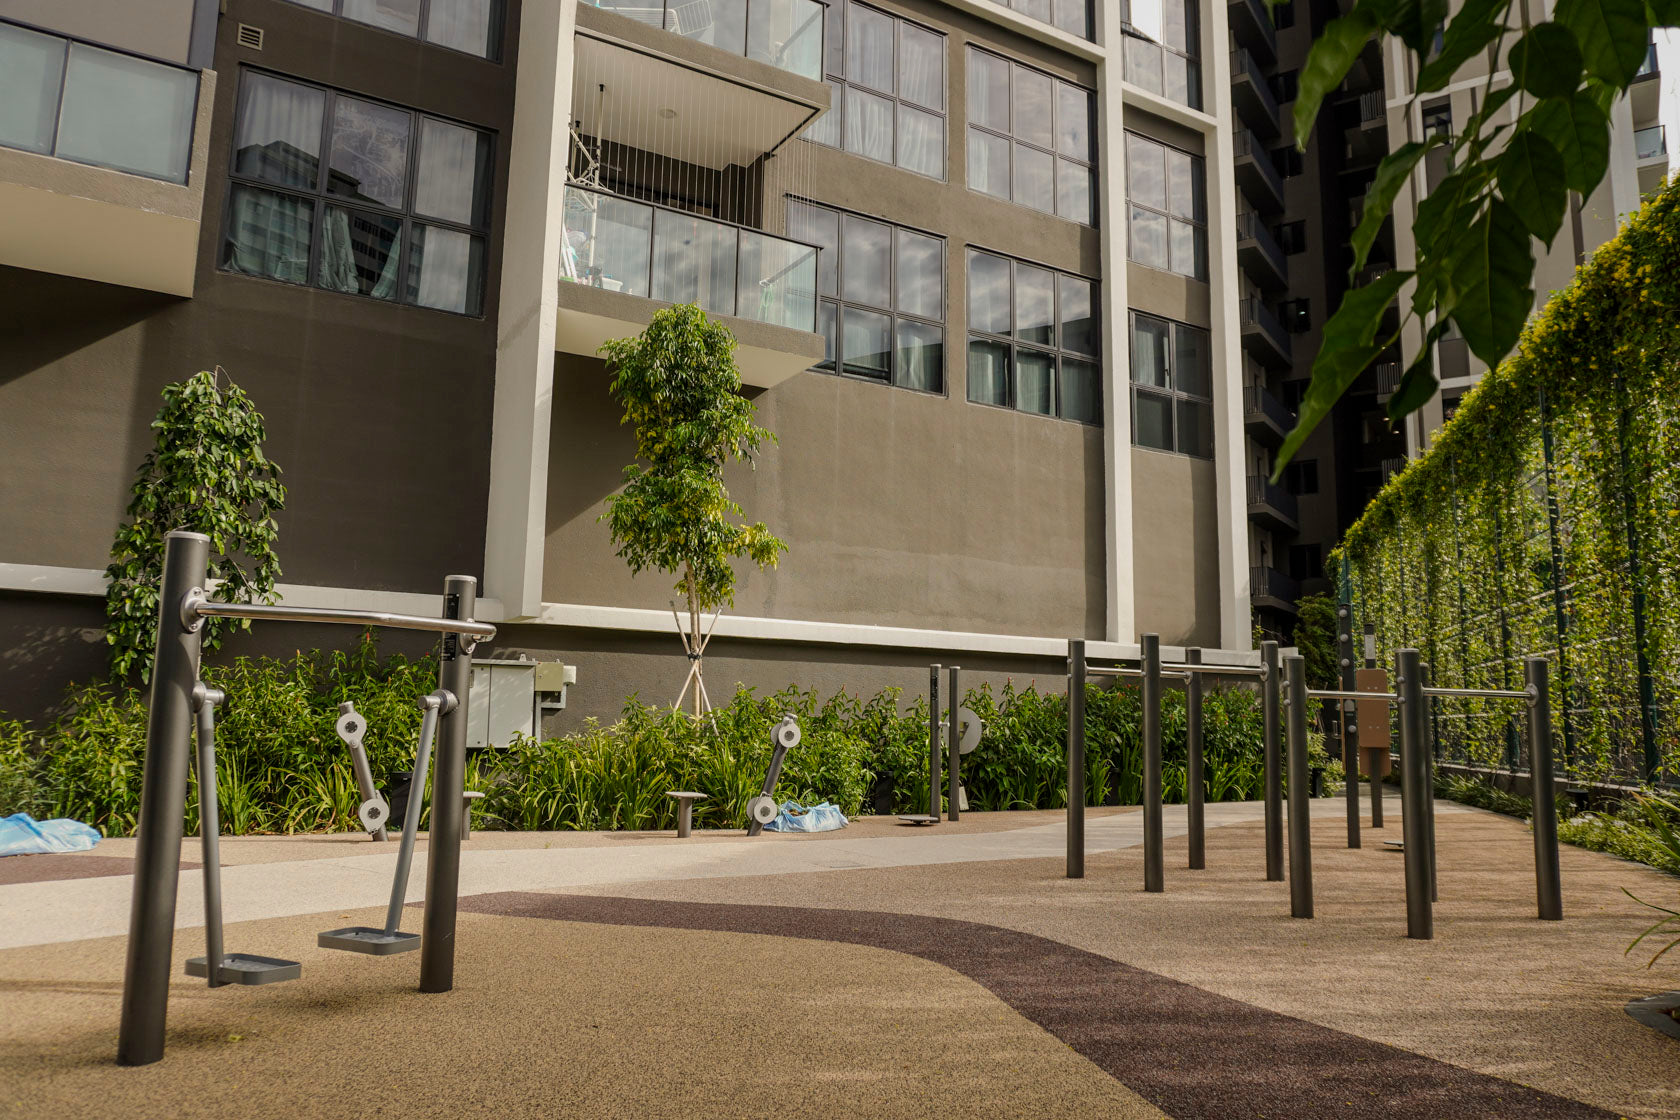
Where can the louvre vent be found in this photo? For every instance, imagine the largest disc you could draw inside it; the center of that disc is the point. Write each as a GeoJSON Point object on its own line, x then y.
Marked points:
{"type": "Point", "coordinates": [250, 37]}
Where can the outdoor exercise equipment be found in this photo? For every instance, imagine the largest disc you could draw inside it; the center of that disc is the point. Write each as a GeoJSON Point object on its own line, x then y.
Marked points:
{"type": "Point", "coordinates": [383, 942]}
{"type": "Point", "coordinates": [218, 967]}
{"type": "Point", "coordinates": [962, 736]}
{"type": "Point", "coordinates": [374, 810]}
{"type": "Point", "coordinates": [763, 809]}
{"type": "Point", "coordinates": [936, 727]}
{"type": "Point", "coordinates": [685, 809]}
{"type": "Point", "coordinates": [182, 610]}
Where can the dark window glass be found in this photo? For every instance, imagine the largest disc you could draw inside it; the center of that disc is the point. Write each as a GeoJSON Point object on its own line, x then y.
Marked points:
{"type": "Point", "coordinates": [866, 262]}
{"type": "Point", "coordinates": [921, 274]}
{"type": "Point", "coordinates": [886, 78]}
{"type": "Point", "coordinates": [1285, 85]}
{"type": "Point", "coordinates": [1030, 138]}
{"type": "Point", "coordinates": [1033, 346]}
{"type": "Point", "coordinates": [988, 371]}
{"type": "Point", "coordinates": [1306, 561]}
{"type": "Point", "coordinates": [988, 163]}
{"type": "Point", "coordinates": [369, 159]}
{"type": "Point", "coordinates": [1301, 476]}
{"type": "Point", "coordinates": [988, 293]}
{"type": "Point", "coordinates": [452, 180]}
{"type": "Point", "coordinates": [1292, 237]}
{"type": "Point", "coordinates": [278, 137]}
{"type": "Point", "coordinates": [867, 342]}
{"type": "Point", "coordinates": [1172, 386]}
{"type": "Point", "coordinates": [1168, 194]}
{"type": "Point", "coordinates": [1296, 315]}
{"type": "Point", "coordinates": [1283, 15]}
{"type": "Point", "coordinates": [471, 26]}
{"type": "Point", "coordinates": [1035, 305]}
{"type": "Point", "coordinates": [921, 355]}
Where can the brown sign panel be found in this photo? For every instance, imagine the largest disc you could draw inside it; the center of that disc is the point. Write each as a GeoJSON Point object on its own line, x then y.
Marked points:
{"type": "Point", "coordinates": [1374, 738]}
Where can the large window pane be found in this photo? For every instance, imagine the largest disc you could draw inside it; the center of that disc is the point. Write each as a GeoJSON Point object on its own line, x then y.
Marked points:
{"type": "Point", "coordinates": [1074, 17]}
{"type": "Point", "coordinates": [834, 38]}
{"type": "Point", "coordinates": [1192, 365]}
{"type": "Point", "coordinates": [31, 69]}
{"type": "Point", "coordinates": [869, 125]}
{"type": "Point", "coordinates": [921, 356]}
{"type": "Point", "coordinates": [401, 16]}
{"type": "Point", "coordinates": [127, 113]}
{"type": "Point", "coordinates": [1149, 352]}
{"type": "Point", "coordinates": [1081, 397]}
{"type": "Point", "coordinates": [369, 159]}
{"type": "Point", "coordinates": [1033, 9]}
{"type": "Point", "coordinates": [867, 342]}
{"type": "Point", "coordinates": [1152, 419]}
{"type": "Point", "coordinates": [1035, 305]}
{"type": "Point", "coordinates": [1189, 250]}
{"type": "Point", "coordinates": [866, 262]}
{"type": "Point", "coordinates": [1035, 382]}
{"type": "Point", "coordinates": [1073, 122]}
{"type": "Point", "coordinates": [777, 282]}
{"type": "Point", "coordinates": [1143, 64]}
{"type": "Point", "coordinates": [988, 371]}
{"type": "Point", "coordinates": [268, 235]}
{"type": "Point", "coordinates": [826, 128]}
{"type": "Point", "coordinates": [278, 137]}
{"type": "Point", "coordinates": [921, 274]}
{"type": "Point", "coordinates": [788, 34]}
{"type": "Point", "coordinates": [921, 66]}
{"type": "Point", "coordinates": [722, 23]}
{"type": "Point", "coordinates": [608, 242]}
{"type": "Point", "coordinates": [988, 90]}
{"type": "Point", "coordinates": [828, 325]}
{"type": "Point", "coordinates": [1075, 190]}
{"type": "Point", "coordinates": [1035, 178]}
{"type": "Point", "coordinates": [1034, 97]}
{"type": "Point", "coordinates": [1181, 81]}
{"type": "Point", "coordinates": [359, 253]}
{"type": "Point", "coordinates": [1177, 23]}
{"type": "Point", "coordinates": [446, 270]}
{"type": "Point", "coordinates": [693, 262]}
{"type": "Point", "coordinates": [869, 48]}
{"type": "Point", "coordinates": [1146, 172]}
{"type": "Point", "coordinates": [988, 293]}
{"type": "Point", "coordinates": [1149, 238]}
{"type": "Point", "coordinates": [1184, 186]}
{"type": "Point", "coordinates": [988, 163]}
{"type": "Point", "coordinates": [1077, 300]}
{"type": "Point", "coordinates": [472, 26]}
{"type": "Point", "coordinates": [817, 226]}
{"type": "Point", "coordinates": [921, 142]}
{"type": "Point", "coordinates": [1195, 428]}
{"type": "Point", "coordinates": [452, 180]}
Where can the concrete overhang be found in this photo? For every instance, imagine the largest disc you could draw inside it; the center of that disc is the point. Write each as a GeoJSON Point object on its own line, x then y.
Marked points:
{"type": "Point", "coordinates": [766, 354]}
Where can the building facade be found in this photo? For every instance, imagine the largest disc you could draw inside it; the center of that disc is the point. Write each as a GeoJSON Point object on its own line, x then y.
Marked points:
{"type": "Point", "coordinates": [981, 263]}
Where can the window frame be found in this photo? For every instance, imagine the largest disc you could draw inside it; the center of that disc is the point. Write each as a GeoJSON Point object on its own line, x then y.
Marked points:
{"type": "Point", "coordinates": [1193, 35]}
{"type": "Point", "coordinates": [841, 83]}
{"type": "Point", "coordinates": [839, 302]}
{"type": "Point", "coordinates": [497, 32]}
{"type": "Point", "coordinates": [1054, 348]}
{"type": "Point", "coordinates": [1171, 392]}
{"type": "Point", "coordinates": [321, 199]}
{"type": "Point", "coordinates": [1198, 167]}
{"type": "Point", "coordinates": [1012, 140]}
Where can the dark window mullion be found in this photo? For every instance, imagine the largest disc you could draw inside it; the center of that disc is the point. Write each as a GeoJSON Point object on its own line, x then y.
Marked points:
{"type": "Point", "coordinates": [322, 176]}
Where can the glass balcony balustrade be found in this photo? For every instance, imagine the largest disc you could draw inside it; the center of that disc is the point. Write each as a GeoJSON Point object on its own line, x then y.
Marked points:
{"type": "Point", "coordinates": [787, 34]}
{"type": "Point", "coordinates": [1650, 143]}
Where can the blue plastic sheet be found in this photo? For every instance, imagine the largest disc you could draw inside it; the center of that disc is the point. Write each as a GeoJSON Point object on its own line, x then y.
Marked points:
{"type": "Point", "coordinates": [23, 835]}
{"type": "Point", "coordinates": [795, 817]}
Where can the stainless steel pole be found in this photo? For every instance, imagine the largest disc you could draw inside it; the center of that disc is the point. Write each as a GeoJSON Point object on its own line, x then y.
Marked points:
{"type": "Point", "coordinates": [163, 797]}
{"type": "Point", "coordinates": [1195, 779]}
{"type": "Point", "coordinates": [1408, 684]}
{"type": "Point", "coordinates": [1154, 876]}
{"type": "Point", "coordinates": [1543, 789]}
{"type": "Point", "coordinates": [1347, 711]}
{"type": "Point", "coordinates": [1271, 685]}
{"type": "Point", "coordinates": [1076, 760]}
{"type": "Point", "coordinates": [953, 744]}
{"type": "Point", "coordinates": [933, 742]}
{"type": "Point", "coordinates": [430, 705]}
{"type": "Point", "coordinates": [205, 702]}
{"type": "Point", "coordinates": [443, 857]}
{"type": "Point", "coordinates": [1300, 792]}
{"type": "Point", "coordinates": [1431, 744]}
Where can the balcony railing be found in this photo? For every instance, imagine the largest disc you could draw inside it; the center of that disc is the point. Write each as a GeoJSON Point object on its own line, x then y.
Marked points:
{"type": "Point", "coordinates": [620, 245]}
{"type": "Point", "coordinates": [1264, 493]}
{"type": "Point", "coordinates": [1251, 20]}
{"type": "Point", "coordinates": [1253, 97]}
{"type": "Point", "coordinates": [1267, 582]}
{"type": "Point", "coordinates": [1254, 312]}
{"type": "Point", "coordinates": [1388, 380]}
{"type": "Point", "coordinates": [1250, 228]}
{"type": "Point", "coordinates": [1649, 66]}
{"type": "Point", "coordinates": [787, 34]}
{"type": "Point", "coordinates": [1260, 407]}
{"type": "Point", "coordinates": [1372, 106]}
{"type": "Point", "coordinates": [1650, 143]}
{"type": "Point", "coordinates": [71, 99]}
{"type": "Point", "coordinates": [1246, 147]}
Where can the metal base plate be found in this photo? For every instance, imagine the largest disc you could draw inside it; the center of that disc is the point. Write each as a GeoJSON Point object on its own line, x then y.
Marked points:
{"type": "Point", "coordinates": [919, 818]}
{"type": "Point", "coordinates": [244, 968]}
{"type": "Point", "coordinates": [367, 939]}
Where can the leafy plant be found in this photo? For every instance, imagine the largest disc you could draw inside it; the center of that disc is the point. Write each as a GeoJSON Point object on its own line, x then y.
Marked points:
{"type": "Point", "coordinates": [1315, 637]}
{"type": "Point", "coordinates": [1514, 162]}
{"type": "Point", "coordinates": [206, 473]}
{"type": "Point", "coordinates": [1660, 815]}
{"type": "Point", "coordinates": [680, 390]}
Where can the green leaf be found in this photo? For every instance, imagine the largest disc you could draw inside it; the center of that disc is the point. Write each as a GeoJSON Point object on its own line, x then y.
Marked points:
{"type": "Point", "coordinates": [1613, 35]}
{"type": "Point", "coordinates": [1348, 346]}
{"type": "Point", "coordinates": [1489, 269]}
{"type": "Point", "coordinates": [1414, 21]}
{"type": "Point", "coordinates": [1663, 13]}
{"type": "Point", "coordinates": [1418, 383]}
{"type": "Point", "coordinates": [1379, 196]}
{"type": "Point", "coordinates": [1327, 65]}
{"type": "Point", "coordinates": [1580, 132]}
{"type": "Point", "coordinates": [1547, 61]}
{"type": "Point", "coordinates": [1530, 173]}
{"type": "Point", "coordinates": [1477, 24]}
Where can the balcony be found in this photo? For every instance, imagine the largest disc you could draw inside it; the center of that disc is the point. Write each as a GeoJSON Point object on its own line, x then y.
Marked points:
{"type": "Point", "coordinates": [1271, 589]}
{"type": "Point", "coordinates": [1252, 96]}
{"type": "Point", "coordinates": [1260, 255]}
{"type": "Point", "coordinates": [623, 260]}
{"type": "Point", "coordinates": [1271, 505]}
{"type": "Point", "coordinates": [1367, 132]}
{"type": "Point", "coordinates": [1650, 143]}
{"type": "Point", "coordinates": [1257, 173]}
{"type": "Point", "coordinates": [786, 34]}
{"type": "Point", "coordinates": [1251, 25]}
{"type": "Point", "coordinates": [1265, 418]}
{"type": "Point", "coordinates": [102, 156]}
{"type": "Point", "coordinates": [1262, 335]}
{"type": "Point", "coordinates": [1388, 380]}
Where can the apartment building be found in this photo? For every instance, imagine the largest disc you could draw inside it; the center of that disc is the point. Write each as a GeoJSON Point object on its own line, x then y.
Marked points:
{"type": "Point", "coordinates": [981, 263]}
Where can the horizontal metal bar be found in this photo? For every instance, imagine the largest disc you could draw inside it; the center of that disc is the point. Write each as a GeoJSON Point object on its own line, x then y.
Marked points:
{"type": "Point", "coordinates": [1338, 694]}
{"type": "Point", "coordinates": [196, 607]}
{"type": "Point", "coordinates": [1490, 693]}
{"type": "Point", "coordinates": [1217, 670]}
{"type": "Point", "coordinates": [1111, 671]}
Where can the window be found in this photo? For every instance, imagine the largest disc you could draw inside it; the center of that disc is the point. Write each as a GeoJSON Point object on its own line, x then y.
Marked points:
{"type": "Point", "coordinates": [357, 196]}
{"type": "Point", "coordinates": [1288, 160]}
{"type": "Point", "coordinates": [1286, 85]}
{"type": "Point", "coordinates": [1306, 561]}
{"type": "Point", "coordinates": [1301, 476]}
{"type": "Point", "coordinates": [1172, 387]}
{"type": "Point", "coordinates": [1283, 15]}
{"type": "Point", "coordinates": [1030, 138]}
{"type": "Point", "coordinates": [1296, 315]}
{"type": "Point", "coordinates": [881, 296]}
{"type": "Point", "coordinates": [1163, 43]}
{"type": "Point", "coordinates": [1072, 16]}
{"type": "Point", "coordinates": [1033, 339]}
{"type": "Point", "coordinates": [472, 26]}
{"type": "Point", "coordinates": [1168, 207]}
{"type": "Point", "coordinates": [886, 78]}
{"type": "Point", "coordinates": [1294, 392]}
{"type": "Point", "coordinates": [1292, 237]}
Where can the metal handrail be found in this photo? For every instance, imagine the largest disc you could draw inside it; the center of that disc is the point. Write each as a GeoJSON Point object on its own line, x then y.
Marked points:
{"type": "Point", "coordinates": [196, 607]}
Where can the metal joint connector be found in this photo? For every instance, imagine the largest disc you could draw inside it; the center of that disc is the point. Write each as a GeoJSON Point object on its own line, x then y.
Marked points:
{"type": "Point", "coordinates": [191, 620]}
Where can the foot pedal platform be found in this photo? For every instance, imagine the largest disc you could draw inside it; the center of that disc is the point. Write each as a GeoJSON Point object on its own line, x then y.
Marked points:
{"type": "Point", "coordinates": [368, 939]}
{"type": "Point", "coordinates": [244, 968]}
{"type": "Point", "coordinates": [919, 818]}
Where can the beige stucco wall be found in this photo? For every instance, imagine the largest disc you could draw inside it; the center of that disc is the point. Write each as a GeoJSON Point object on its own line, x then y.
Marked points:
{"type": "Point", "coordinates": [160, 28]}
{"type": "Point", "coordinates": [1177, 535]}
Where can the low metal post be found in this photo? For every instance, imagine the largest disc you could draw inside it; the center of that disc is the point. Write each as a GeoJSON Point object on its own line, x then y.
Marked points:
{"type": "Point", "coordinates": [449, 769]}
{"type": "Point", "coordinates": [1370, 641]}
{"type": "Point", "coordinates": [933, 741]}
{"type": "Point", "coordinates": [1420, 914]}
{"type": "Point", "coordinates": [1432, 728]}
{"type": "Point", "coordinates": [1300, 796]}
{"type": "Point", "coordinates": [1271, 685]}
{"type": "Point", "coordinates": [1542, 789]}
{"type": "Point", "coordinates": [1154, 875]}
{"type": "Point", "coordinates": [1347, 711]}
{"type": "Point", "coordinates": [953, 745]}
{"type": "Point", "coordinates": [163, 798]}
{"type": "Point", "coordinates": [1076, 760]}
{"type": "Point", "coordinates": [1195, 779]}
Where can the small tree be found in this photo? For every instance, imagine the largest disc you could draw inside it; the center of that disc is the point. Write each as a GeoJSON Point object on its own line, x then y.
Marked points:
{"type": "Point", "coordinates": [206, 473]}
{"type": "Point", "coordinates": [680, 390]}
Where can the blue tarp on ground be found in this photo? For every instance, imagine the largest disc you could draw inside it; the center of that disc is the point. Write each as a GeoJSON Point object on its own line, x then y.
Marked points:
{"type": "Point", "coordinates": [23, 835]}
{"type": "Point", "coordinates": [795, 817]}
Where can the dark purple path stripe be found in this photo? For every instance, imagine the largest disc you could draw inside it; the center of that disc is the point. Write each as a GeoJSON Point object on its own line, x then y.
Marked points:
{"type": "Point", "coordinates": [51, 866]}
{"type": "Point", "coordinates": [1192, 1053]}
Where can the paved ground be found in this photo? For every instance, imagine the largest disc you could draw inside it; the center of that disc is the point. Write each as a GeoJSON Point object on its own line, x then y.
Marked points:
{"type": "Point", "coordinates": [883, 971]}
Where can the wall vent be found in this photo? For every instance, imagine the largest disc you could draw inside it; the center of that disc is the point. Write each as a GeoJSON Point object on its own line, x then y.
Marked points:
{"type": "Point", "coordinates": [250, 37]}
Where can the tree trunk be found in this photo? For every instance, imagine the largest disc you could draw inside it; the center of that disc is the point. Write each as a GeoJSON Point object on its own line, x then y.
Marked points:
{"type": "Point", "coordinates": [694, 634]}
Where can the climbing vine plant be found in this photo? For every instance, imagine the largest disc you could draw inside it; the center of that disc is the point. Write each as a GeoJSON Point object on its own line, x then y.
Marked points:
{"type": "Point", "coordinates": [1545, 519]}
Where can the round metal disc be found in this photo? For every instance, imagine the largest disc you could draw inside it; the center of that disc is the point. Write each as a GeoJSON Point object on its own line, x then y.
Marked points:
{"type": "Point", "coordinates": [373, 813]}
{"type": "Point", "coordinates": [970, 724]}
{"type": "Point", "coordinates": [763, 808]}
{"type": "Point", "coordinates": [787, 733]}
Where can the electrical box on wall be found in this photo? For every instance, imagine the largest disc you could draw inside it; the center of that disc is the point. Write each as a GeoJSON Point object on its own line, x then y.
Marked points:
{"type": "Point", "coordinates": [509, 698]}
